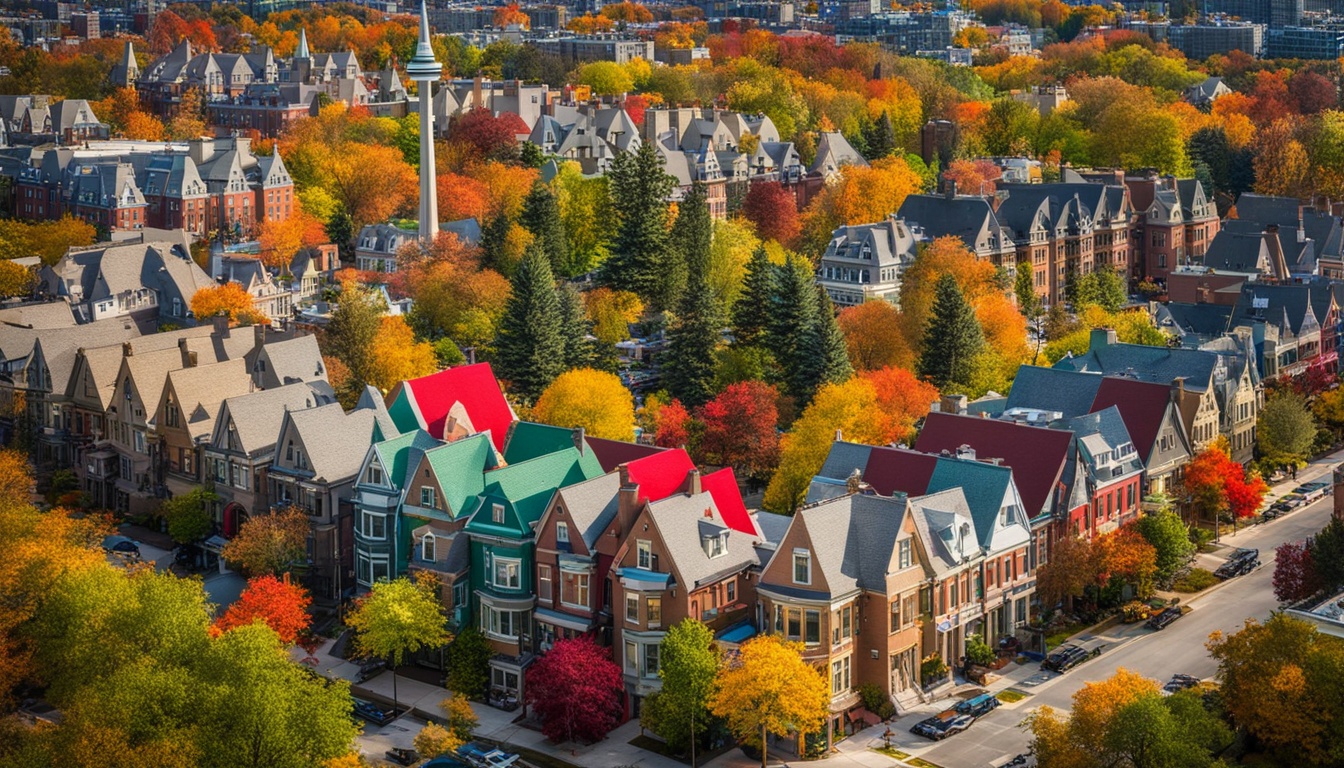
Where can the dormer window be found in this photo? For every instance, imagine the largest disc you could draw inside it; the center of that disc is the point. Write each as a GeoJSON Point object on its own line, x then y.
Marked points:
{"type": "Point", "coordinates": [715, 545]}
{"type": "Point", "coordinates": [562, 533]}
{"type": "Point", "coordinates": [375, 475]}
{"type": "Point", "coordinates": [497, 513]}
{"type": "Point", "coordinates": [427, 547]}
{"type": "Point", "coordinates": [1007, 514]}
{"type": "Point", "coordinates": [802, 567]}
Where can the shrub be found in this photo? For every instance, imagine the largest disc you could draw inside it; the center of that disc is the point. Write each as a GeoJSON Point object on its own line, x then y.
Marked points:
{"type": "Point", "coordinates": [932, 669]}
{"type": "Point", "coordinates": [978, 651]}
{"type": "Point", "coordinates": [1201, 537]}
{"type": "Point", "coordinates": [1135, 611]}
{"type": "Point", "coordinates": [1196, 580]}
{"type": "Point", "coordinates": [876, 701]}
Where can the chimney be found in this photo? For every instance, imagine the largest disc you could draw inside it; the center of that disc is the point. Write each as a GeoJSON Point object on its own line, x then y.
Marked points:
{"type": "Point", "coordinates": [693, 485]}
{"type": "Point", "coordinates": [258, 335]}
{"type": "Point", "coordinates": [965, 452]}
{"type": "Point", "coordinates": [955, 404]}
{"type": "Point", "coordinates": [627, 503]}
{"type": "Point", "coordinates": [1178, 389]}
{"type": "Point", "coordinates": [126, 349]}
{"type": "Point", "coordinates": [838, 436]}
{"type": "Point", "coordinates": [221, 325]}
{"type": "Point", "coordinates": [1102, 337]}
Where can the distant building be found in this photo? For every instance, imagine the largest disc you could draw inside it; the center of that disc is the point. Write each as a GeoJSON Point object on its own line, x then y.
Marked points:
{"type": "Point", "coordinates": [1324, 42]}
{"type": "Point", "coordinates": [36, 120]}
{"type": "Point", "coordinates": [85, 25]}
{"type": "Point", "coordinates": [866, 261]}
{"type": "Point", "coordinates": [1043, 98]}
{"type": "Point", "coordinates": [597, 48]}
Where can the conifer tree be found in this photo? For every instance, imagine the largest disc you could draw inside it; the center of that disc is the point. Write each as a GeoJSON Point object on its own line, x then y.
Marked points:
{"type": "Point", "coordinates": [494, 244]}
{"type": "Point", "coordinates": [751, 313]}
{"type": "Point", "coordinates": [541, 217]}
{"type": "Point", "coordinates": [952, 339]}
{"type": "Point", "coordinates": [530, 345]}
{"type": "Point", "coordinates": [695, 333]}
{"type": "Point", "coordinates": [880, 137]}
{"type": "Point", "coordinates": [825, 357]}
{"type": "Point", "coordinates": [575, 327]}
{"type": "Point", "coordinates": [793, 317]}
{"type": "Point", "coordinates": [640, 260]}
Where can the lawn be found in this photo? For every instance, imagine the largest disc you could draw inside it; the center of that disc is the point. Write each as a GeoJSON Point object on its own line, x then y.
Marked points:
{"type": "Point", "coordinates": [892, 752]}
{"type": "Point", "coordinates": [1063, 633]}
{"type": "Point", "coordinates": [1010, 696]}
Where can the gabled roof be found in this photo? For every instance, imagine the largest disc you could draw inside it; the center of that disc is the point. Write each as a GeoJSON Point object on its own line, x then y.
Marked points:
{"type": "Point", "coordinates": [659, 475]}
{"type": "Point", "coordinates": [256, 416]}
{"type": "Point", "coordinates": [1100, 435]}
{"type": "Point", "coordinates": [460, 467]}
{"type": "Point", "coordinates": [528, 440]}
{"type": "Point", "coordinates": [946, 529]}
{"type": "Point", "coordinates": [1035, 454]}
{"type": "Point", "coordinates": [613, 453]}
{"type": "Point", "coordinates": [1053, 389]}
{"type": "Point", "coordinates": [898, 470]}
{"type": "Point", "coordinates": [201, 390]}
{"type": "Point", "coordinates": [336, 441]}
{"type": "Point", "coordinates": [983, 485]}
{"type": "Point", "coordinates": [853, 540]}
{"type": "Point", "coordinates": [722, 486]}
{"type": "Point", "coordinates": [371, 400]}
{"type": "Point", "coordinates": [1142, 404]}
{"type": "Point", "coordinates": [400, 455]}
{"type": "Point", "coordinates": [467, 390]}
{"type": "Point", "coordinates": [683, 520]}
{"type": "Point", "coordinates": [529, 485]}
{"type": "Point", "coordinates": [1159, 364]}
{"type": "Point", "coordinates": [592, 505]}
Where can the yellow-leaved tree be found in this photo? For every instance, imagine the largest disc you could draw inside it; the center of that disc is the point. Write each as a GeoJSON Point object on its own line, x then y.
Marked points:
{"type": "Point", "coordinates": [588, 398]}
{"type": "Point", "coordinates": [396, 356]}
{"type": "Point", "coordinates": [770, 689]}
{"type": "Point", "coordinates": [229, 299]}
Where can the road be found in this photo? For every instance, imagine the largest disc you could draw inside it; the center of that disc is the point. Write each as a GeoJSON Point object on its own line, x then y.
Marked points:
{"type": "Point", "coordinates": [1177, 649]}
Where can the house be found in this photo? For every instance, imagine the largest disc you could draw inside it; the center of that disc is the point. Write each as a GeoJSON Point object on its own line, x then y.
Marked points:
{"type": "Point", "coordinates": [148, 283]}
{"type": "Point", "coordinates": [1108, 463]}
{"type": "Point", "coordinates": [453, 403]}
{"type": "Point", "coordinates": [1203, 94]}
{"type": "Point", "coordinates": [833, 153]}
{"type": "Point", "coordinates": [969, 218]}
{"type": "Point", "coordinates": [1152, 419]}
{"type": "Point", "coordinates": [867, 261]}
{"type": "Point", "coordinates": [185, 417]}
{"type": "Point", "coordinates": [381, 541]}
{"type": "Point", "coordinates": [945, 528]}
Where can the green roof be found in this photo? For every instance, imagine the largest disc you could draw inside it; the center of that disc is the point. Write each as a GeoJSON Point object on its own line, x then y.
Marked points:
{"type": "Point", "coordinates": [395, 454]}
{"type": "Point", "coordinates": [529, 440]}
{"type": "Point", "coordinates": [984, 486]}
{"type": "Point", "coordinates": [460, 468]}
{"type": "Point", "coordinates": [528, 486]}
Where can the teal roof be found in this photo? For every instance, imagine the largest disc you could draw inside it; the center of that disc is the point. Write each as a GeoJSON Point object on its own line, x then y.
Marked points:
{"type": "Point", "coordinates": [401, 452]}
{"type": "Point", "coordinates": [983, 484]}
{"type": "Point", "coordinates": [527, 488]}
{"type": "Point", "coordinates": [529, 440]}
{"type": "Point", "coordinates": [460, 468]}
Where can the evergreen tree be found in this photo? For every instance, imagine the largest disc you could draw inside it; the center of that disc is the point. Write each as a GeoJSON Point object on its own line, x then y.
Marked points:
{"type": "Point", "coordinates": [530, 345]}
{"type": "Point", "coordinates": [952, 339]}
{"type": "Point", "coordinates": [793, 317]}
{"type": "Point", "coordinates": [751, 312]}
{"type": "Point", "coordinates": [640, 259]}
{"type": "Point", "coordinates": [880, 137]}
{"type": "Point", "coordinates": [1028, 303]}
{"type": "Point", "coordinates": [690, 364]}
{"type": "Point", "coordinates": [825, 358]}
{"type": "Point", "coordinates": [575, 327]}
{"type": "Point", "coordinates": [494, 245]}
{"type": "Point", "coordinates": [541, 217]}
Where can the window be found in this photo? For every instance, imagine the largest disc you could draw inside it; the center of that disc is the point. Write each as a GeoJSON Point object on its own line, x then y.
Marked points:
{"type": "Point", "coordinates": [802, 566]}
{"type": "Point", "coordinates": [506, 573]}
{"type": "Point", "coordinates": [427, 548]}
{"type": "Point", "coordinates": [631, 657]}
{"type": "Point", "coordinates": [813, 627]}
{"type": "Point", "coordinates": [374, 476]}
{"type": "Point", "coordinates": [795, 624]}
{"type": "Point", "coordinates": [654, 606]}
{"type": "Point", "coordinates": [632, 608]}
{"type": "Point", "coordinates": [713, 546]}
{"type": "Point", "coordinates": [544, 582]}
{"type": "Point", "coordinates": [562, 533]}
{"type": "Point", "coordinates": [499, 623]}
{"type": "Point", "coordinates": [373, 526]}
{"type": "Point", "coordinates": [1006, 515]}
{"type": "Point", "coordinates": [427, 497]}
{"type": "Point", "coordinates": [645, 554]}
{"type": "Point", "coordinates": [840, 681]}
{"type": "Point", "coordinates": [497, 513]}
{"type": "Point", "coordinates": [895, 615]}
{"type": "Point", "coordinates": [730, 590]}
{"type": "Point", "coordinates": [576, 590]}
{"type": "Point", "coordinates": [903, 554]}
{"type": "Point", "coordinates": [651, 660]}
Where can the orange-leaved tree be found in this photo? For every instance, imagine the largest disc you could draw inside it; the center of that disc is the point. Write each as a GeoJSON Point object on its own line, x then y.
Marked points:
{"type": "Point", "coordinates": [228, 299]}
{"type": "Point", "coordinates": [873, 336]}
{"type": "Point", "coordinates": [1125, 555]}
{"type": "Point", "coordinates": [270, 543]}
{"type": "Point", "coordinates": [396, 356]}
{"type": "Point", "coordinates": [281, 239]}
{"type": "Point", "coordinates": [280, 604]}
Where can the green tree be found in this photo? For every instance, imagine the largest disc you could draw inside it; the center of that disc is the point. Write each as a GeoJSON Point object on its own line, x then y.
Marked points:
{"type": "Point", "coordinates": [575, 328]}
{"type": "Point", "coordinates": [825, 355]}
{"type": "Point", "coordinates": [793, 319]}
{"type": "Point", "coordinates": [1170, 536]}
{"type": "Point", "coordinates": [1024, 288]}
{"type": "Point", "coordinates": [541, 217]}
{"type": "Point", "coordinates": [495, 245]}
{"type": "Point", "coordinates": [880, 137]}
{"type": "Point", "coordinates": [751, 312]}
{"type": "Point", "coordinates": [1112, 293]}
{"type": "Point", "coordinates": [695, 333]}
{"type": "Point", "coordinates": [188, 515]}
{"type": "Point", "coordinates": [1081, 290]}
{"type": "Point", "coordinates": [399, 617]}
{"type": "Point", "coordinates": [1285, 430]}
{"type": "Point", "coordinates": [355, 323]}
{"type": "Point", "coordinates": [467, 663]}
{"type": "Point", "coordinates": [530, 348]}
{"type": "Point", "coordinates": [640, 260]}
{"type": "Point", "coordinates": [1327, 554]}
{"type": "Point", "coordinates": [687, 664]}
{"type": "Point", "coordinates": [952, 339]}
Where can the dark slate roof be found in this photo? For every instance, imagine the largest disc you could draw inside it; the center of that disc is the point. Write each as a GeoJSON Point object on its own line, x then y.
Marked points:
{"type": "Point", "coordinates": [965, 216]}
{"type": "Point", "coordinates": [1142, 406]}
{"type": "Point", "coordinates": [1035, 454]}
{"type": "Point", "coordinates": [844, 458]}
{"type": "Point", "coordinates": [1326, 232]}
{"type": "Point", "coordinates": [1053, 389]}
{"type": "Point", "coordinates": [1290, 303]}
{"type": "Point", "coordinates": [1236, 252]}
{"type": "Point", "coordinates": [1200, 319]}
{"type": "Point", "coordinates": [613, 453]}
{"type": "Point", "coordinates": [984, 485]}
{"type": "Point", "coordinates": [1160, 364]}
{"type": "Point", "coordinates": [1268, 210]}
{"type": "Point", "coordinates": [1103, 432]}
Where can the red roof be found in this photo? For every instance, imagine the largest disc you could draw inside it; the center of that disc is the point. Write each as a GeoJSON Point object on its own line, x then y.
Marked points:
{"type": "Point", "coordinates": [613, 453]}
{"type": "Point", "coordinates": [476, 388]}
{"type": "Point", "coordinates": [1035, 454]}
{"type": "Point", "coordinates": [661, 474]}
{"type": "Point", "coordinates": [722, 487]}
{"type": "Point", "coordinates": [1142, 404]}
{"type": "Point", "coordinates": [892, 470]}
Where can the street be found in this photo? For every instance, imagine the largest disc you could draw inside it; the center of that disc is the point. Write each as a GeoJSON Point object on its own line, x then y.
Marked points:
{"type": "Point", "coordinates": [1177, 649]}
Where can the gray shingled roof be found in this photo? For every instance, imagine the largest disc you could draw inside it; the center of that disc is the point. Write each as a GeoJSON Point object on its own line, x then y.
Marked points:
{"type": "Point", "coordinates": [854, 540]}
{"type": "Point", "coordinates": [201, 390]}
{"type": "Point", "coordinates": [681, 519]}
{"type": "Point", "coordinates": [592, 505]}
{"type": "Point", "coordinates": [257, 416]}
{"type": "Point", "coordinates": [1160, 364]}
{"type": "Point", "coordinates": [336, 441]}
{"type": "Point", "coordinates": [940, 518]}
{"type": "Point", "coordinates": [1053, 389]}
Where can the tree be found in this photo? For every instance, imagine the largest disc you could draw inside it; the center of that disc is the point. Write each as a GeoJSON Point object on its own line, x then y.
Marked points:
{"type": "Point", "coordinates": [270, 543]}
{"type": "Point", "coordinates": [1071, 570]}
{"type": "Point", "coordinates": [588, 213]}
{"type": "Point", "coordinates": [228, 299]}
{"type": "Point", "coordinates": [824, 347]}
{"type": "Point", "coordinates": [1285, 430]}
{"type": "Point", "coordinates": [1170, 539]}
{"type": "Point", "coordinates": [611, 313]}
{"type": "Point", "coordinates": [530, 348]}
{"type": "Point", "coordinates": [280, 239]}
{"type": "Point", "coordinates": [354, 326]}
{"type": "Point", "coordinates": [595, 400]}
{"type": "Point", "coordinates": [541, 217]}
{"type": "Point", "coordinates": [48, 240]}
{"type": "Point", "coordinates": [687, 665]}
{"type": "Point", "coordinates": [1327, 554]}
{"type": "Point", "coordinates": [467, 663]}
{"type": "Point", "coordinates": [770, 689]}
{"type": "Point", "coordinates": [461, 717]}
{"type": "Point", "coordinates": [862, 195]}
{"type": "Point", "coordinates": [773, 211]}
{"type": "Point", "coordinates": [434, 741]}
{"type": "Point", "coordinates": [399, 617]}
{"type": "Point", "coordinates": [574, 328]}
{"type": "Point", "coordinates": [694, 335]}
{"type": "Point", "coordinates": [751, 313]}
{"type": "Point", "coordinates": [488, 137]}
{"type": "Point", "coordinates": [281, 605]}
{"type": "Point", "coordinates": [188, 515]}
{"type": "Point", "coordinates": [802, 333]}
{"type": "Point", "coordinates": [873, 336]}
{"type": "Point", "coordinates": [1295, 576]}
{"type": "Point", "coordinates": [952, 340]}
{"type": "Point", "coordinates": [396, 356]}
{"type": "Point", "coordinates": [1124, 556]}
{"type": "Point", "coordinates": [880, 137]}
{"type": "Point", "coordinates": [576, 691]}
{"type": "Point", "coordinates": [1024, 289]}
{"type": "Point", "coordinates": [640, 261]}
{"type": "Point", "coordinates": [674, 425]}
{"type": "Point", "coordinates": [1282, 164]}
{"type": "Point", "coordinates": [15, 280]}
{"type": "Point", "coordinates": [1111, 292]}
{"type": "Point", "coordinates": [740, 429]}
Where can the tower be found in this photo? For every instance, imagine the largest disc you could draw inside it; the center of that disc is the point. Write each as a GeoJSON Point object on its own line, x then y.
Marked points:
{"type": "Point", "coordinates": [424, 69]}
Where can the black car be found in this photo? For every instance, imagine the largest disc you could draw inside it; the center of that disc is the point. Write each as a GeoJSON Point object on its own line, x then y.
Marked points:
{"type": "Point", "coordinates": [402, 756]}
{"type": "Point", "coordinates": [374, 713]}
{"type": "Point", "coordinates": [978, 706]}
{"type": "Point", "coordinates": [943, 724]}
{"type": "Point", "coordinates": [1180, 683]}
{"type": "Point", "coordinates": [1240, 562]}
{"type": "Point", "coordinates": [1069, 657]}
{"type": "Point", "coordinates": [1162, 618]}
{"type": "Point", "coordinates": [369, 668]}
{"type": "Point", "coordinates": [121, 545]}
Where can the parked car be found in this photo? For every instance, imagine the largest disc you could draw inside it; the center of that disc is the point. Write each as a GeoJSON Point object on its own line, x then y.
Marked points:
{"type": "Point", "coordinates": [121, 545]}
{"type": "Point", "coordinates": [1240, 562]}
{"type": "Point", "coordinates": [943, 724]}
{"type": "Point", "coordinates": [1313, 490]}
{"type": "Point", "coordinates": [485, 756]}
{"type": "Point", "coordinates": [978, 706]}
{"type": "Point", "coordinates": [1068, 656]}
{"type": "Point", "coordinates": [375, 713]}
{"type": "Point", "coordinates": [1179, 683]}
{"type": "Point", "coordinates": [1292, 500]}
{"type": "Point", "coordinates": [1161, 619]}
{"type": "Point", "coordinates": [369, 668]}
{"type": "Point", "coordinates": [402, 756]}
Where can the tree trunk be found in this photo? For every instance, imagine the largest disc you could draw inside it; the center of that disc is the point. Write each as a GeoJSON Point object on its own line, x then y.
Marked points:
{"type": "Point", "coordinates": [762, 745]}
{"type": "Point", "coordinates": [394, 689]}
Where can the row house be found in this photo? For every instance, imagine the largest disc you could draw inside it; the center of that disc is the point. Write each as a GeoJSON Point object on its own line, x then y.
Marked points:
{"type": "Point", "coordinates": [185, 417]}
{"type": "Point", "coordinates": [867, 261]}
{"type": "Point", "coordinates": [969, 218]}
{"type": "Point", "coordinates": [145, 282]}
{"type": "Point", "coordinates": [36, 120]}
{"type": "Point", "coordinates": [1176, 222]}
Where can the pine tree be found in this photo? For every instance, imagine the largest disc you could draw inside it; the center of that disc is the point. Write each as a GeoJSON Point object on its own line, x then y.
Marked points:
{"type": "Point", "coordinates": [530, 345]}
{"type": "Point", "coordinates": [1028, 303]}
{"type": "Point", "coordinates": [751, 313]}
{"type": "Point", "coordinates": [640, 260]}
{"type": "Point", "coordinates": [880, 137]}
{"type": "Point", "coordinates": [541, 217]}
{"type": "Point", "coordinates": [575, 327]}
{"type": "Point", "coordinates": [494, 245]}
{"type": "Point", "coordinates": [825, 358]}
{"type": "Point", "coordinates": [695, 334]}
{"type": "Point", "coordinates": [952, 339]}
{"type": "Point", "coordinates": [793, 316]}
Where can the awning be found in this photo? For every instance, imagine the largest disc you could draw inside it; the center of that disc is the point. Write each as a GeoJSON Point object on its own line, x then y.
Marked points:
{"type": "Point", "coordinates": [555, 618]}
{"type": "Point", "coordinates": [215, 544]}
{"type": "Point", "coordinates": [506, 603]}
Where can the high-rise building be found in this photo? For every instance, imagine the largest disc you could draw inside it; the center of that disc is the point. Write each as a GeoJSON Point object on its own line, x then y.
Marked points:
{"type": "Point", "coordinates": [425, 70]}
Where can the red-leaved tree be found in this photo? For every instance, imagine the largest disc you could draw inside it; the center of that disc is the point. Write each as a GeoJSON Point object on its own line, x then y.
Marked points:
{"type": "Point", "coordinates": [772, 209]}
{"type": "Point", "coordinates": [576, 691]}
{"type": "Point", "coordinates": [492, 138]}
{"type": "Point", "coordinates": [1244, 491]}
{"type": "Point", "coordinates": [282, 605]}
{"type": "Point", "coordinates": [740, 429]}
{"type": "Point", "coordinates": [1295, 576]}
{"type": "Point", "coordinates": [674, 426]}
